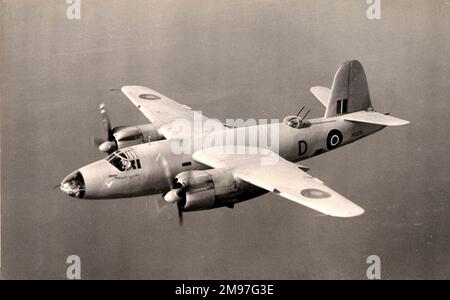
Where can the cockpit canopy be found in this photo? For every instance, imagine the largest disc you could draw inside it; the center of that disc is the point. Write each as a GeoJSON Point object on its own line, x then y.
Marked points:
{"type": "Point", "coordinates": [122, 160]}
{"type": "Point", "coordinates": [296, 122]}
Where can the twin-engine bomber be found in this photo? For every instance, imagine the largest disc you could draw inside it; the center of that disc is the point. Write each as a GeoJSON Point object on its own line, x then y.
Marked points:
{"type": "Point", "coordinates": [141, 159]}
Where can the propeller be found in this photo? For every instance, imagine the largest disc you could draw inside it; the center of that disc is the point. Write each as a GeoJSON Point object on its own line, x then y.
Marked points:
{"type": "Point", "coordinates": [107, 145]}
{"type": "Point", "coordinates": [106, 122]}
{"type": "Point", "coordinates": [180, 213]}
{"type": "Point", "coordinates": [175, 195]}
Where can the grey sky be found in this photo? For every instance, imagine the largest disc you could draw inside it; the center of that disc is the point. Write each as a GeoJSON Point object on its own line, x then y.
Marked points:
{"type": "Point", "coordinates": [230, 59]}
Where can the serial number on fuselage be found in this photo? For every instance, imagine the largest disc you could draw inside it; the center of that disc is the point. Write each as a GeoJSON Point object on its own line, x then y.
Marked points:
{"type": "Point", "coordinates": [357, 133]}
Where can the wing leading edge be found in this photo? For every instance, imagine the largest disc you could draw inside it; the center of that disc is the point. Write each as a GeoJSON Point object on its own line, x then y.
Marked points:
{"type": "Point", "coordinates": [161, 110]}
{"type": "Point", "coordinates": [277, 175]}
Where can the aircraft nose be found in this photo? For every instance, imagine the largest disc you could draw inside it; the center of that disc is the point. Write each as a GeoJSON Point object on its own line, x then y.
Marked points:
{"type": "Point", "coordinates": [73, 185]}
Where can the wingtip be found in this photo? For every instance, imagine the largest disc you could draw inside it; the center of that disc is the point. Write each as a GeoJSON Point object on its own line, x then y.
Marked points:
{"type": "Point", "coordinates": [358, 212]}
{"type": "Point", "coordinates": [405, 122]}
{"type": "Point", "coordinates": [135, 90]}
{"type": "Point", "coordinates": [350, 213]}
{"type": "Point", "coordinates": [130, 87]}
{"type": "Point", "coordinates": [400, 122]}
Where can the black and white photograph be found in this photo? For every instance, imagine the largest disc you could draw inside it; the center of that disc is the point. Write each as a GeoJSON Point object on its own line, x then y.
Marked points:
{"type": "Point", "coordinates": [218, 140]}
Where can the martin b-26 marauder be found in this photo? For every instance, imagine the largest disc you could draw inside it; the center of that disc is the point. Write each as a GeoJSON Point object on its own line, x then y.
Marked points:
{"type": "Point", "coordinates": [142, 160]}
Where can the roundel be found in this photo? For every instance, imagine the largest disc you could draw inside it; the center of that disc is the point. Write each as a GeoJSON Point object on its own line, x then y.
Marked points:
{"type": "Point", "coordinates": [334, 139]}
{"type": "Point", "coordinates": [315, 194]}
{"type": "Point", "coordinates": [149, 97]}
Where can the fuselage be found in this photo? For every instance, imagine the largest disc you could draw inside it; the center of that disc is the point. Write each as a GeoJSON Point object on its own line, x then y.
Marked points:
{"type": "Point", "coordinates": [144, 174]}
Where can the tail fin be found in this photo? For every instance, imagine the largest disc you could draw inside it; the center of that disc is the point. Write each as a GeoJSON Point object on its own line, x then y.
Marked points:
{"type": "Point", "coordinates": [349, 92]}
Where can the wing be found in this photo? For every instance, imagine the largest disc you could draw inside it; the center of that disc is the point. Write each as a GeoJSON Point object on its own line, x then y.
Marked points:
{"type": "Point", "coordinates": [275, 174]}
{"type": "Point", "coordinates": [161, 110]}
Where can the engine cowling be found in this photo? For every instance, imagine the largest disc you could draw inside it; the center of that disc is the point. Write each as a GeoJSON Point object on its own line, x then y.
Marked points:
{"type": "Point", "coordinates": [126, 136]}
{"type": "Point", "coordinates": [208, 189]}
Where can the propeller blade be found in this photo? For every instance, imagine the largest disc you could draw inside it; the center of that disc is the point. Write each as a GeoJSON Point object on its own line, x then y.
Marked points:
{"type": "Point", "coordinates": [106, 122]}
{"type": "Point", "coordinates": [165, 166]}
{"type": "Point", "coordinates": [180, 213]}
{"type": "Point", "coordinates": [161, 204]}
{"type": "Point", "coordinates": [174, 193]}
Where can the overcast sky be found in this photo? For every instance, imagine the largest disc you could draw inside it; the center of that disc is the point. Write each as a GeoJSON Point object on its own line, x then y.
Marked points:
{"type": "Point", "coordinates": [230, 59]}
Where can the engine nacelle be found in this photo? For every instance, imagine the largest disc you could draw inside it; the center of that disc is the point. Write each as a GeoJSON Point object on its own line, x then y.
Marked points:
{"type": "Point", "coordinates": [208, 189]}
{"type": "Point", "coordinates": [126, 136]}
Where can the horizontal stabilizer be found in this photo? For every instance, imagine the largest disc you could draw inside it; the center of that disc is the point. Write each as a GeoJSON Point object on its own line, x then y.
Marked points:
{"type": "Point", "coordinates": [322, 94]}
{"type": "Point", "coordinates": [373, 117]}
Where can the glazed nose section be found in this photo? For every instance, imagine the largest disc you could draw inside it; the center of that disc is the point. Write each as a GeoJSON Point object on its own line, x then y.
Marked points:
{"type": "Point", "coordinates": [73, 185]}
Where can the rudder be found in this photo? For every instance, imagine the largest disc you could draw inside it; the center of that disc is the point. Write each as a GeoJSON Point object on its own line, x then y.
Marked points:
{"type": "Point", "coordinates": [349, 92]}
